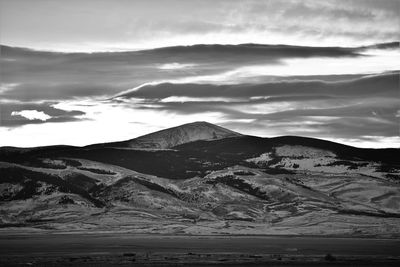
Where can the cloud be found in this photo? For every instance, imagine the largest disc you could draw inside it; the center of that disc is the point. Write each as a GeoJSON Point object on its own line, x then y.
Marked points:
{"type": "Point", "coordinates": [14, 114]}
{"type": "Point", "coordinates": [80, 25]}
{"type": "Point", "coordinates": [346, 109]}
{"type": "Point", "coordinates": [266, 90]}
{"type": "Point", "coordinates": [366, 86]}
{"type": "Point", "coordinates": [185, 99]}
{"type": "Point", "coordinates": [31, 115]}
{"type": "Point", "coordinates": [330, 22]}
{"type": "Point", "coordinates": [175, 66]}
{"type": "Point", "coordinates": [38, 75]}
{"type": "Point", "coordinates": [7, 86]}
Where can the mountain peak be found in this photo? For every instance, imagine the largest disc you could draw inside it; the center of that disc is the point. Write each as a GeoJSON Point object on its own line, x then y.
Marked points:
{"type": "Point", "coordinates": [198, 123]}
{"type": "Point", "coordinates": [190, 132]}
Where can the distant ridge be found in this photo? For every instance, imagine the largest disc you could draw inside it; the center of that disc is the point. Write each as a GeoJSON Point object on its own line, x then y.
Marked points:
{"type": "Point", "coordinates": [243, 47]}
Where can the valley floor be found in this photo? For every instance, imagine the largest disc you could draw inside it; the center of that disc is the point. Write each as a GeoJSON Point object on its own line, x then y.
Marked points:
{"type": "Point", "coordinates": [167, 250]}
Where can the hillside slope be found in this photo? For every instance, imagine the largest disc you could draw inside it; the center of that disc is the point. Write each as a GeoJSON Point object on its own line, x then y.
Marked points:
{"type": "Point", "coordinates": [200, 178]}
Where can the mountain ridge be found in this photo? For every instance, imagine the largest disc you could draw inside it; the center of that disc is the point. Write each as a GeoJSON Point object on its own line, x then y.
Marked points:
{"type": "Point", "coordinates": [384, 45]}
{"type": "Point", "coordinates": [221, 134]}
{"type": "Point", "coordinates": [209, 180]}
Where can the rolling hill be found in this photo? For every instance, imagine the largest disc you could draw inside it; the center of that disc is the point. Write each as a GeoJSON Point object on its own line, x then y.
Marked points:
{"type": "Point", "coordinates": [200, 178]}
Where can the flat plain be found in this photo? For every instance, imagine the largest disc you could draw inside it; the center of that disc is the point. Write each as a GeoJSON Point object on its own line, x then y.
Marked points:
{"type": "Point", "coordinates": [165, 250]}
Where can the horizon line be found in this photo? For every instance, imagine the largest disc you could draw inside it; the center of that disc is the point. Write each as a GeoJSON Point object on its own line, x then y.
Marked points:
{"type": "Point", "coordinates": [202, 122]}
{"type": "Point", "coordinates": [124, 50]}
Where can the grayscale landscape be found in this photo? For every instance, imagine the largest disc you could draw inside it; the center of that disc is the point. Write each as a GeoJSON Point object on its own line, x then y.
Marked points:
{"type": "Point", "coordinates": [180, 133]}
{"type": "Point", "coordinates": [197, 181]}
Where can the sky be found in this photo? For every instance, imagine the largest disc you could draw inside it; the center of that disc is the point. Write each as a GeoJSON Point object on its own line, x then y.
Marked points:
{"type": "Point", "coordinates": [104, 25]}
{"type": "Point", "coordinates": [89, 71]}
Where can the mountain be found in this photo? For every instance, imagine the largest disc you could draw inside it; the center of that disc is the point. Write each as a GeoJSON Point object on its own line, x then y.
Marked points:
{"type": "Point", "coordinates": [200, 178]}
{"type": "Point", "coordinates": [179, 135]}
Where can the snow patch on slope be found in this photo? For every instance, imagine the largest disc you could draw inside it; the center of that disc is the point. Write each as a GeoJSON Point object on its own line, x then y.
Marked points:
{"type": "Point", "coordinates": [302, 151]}
{"type": "Point", "coordinates": [262, 159]}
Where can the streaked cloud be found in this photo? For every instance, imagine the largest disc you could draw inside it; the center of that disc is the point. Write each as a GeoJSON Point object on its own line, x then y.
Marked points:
{"type": "Point", "coordinates": [4, 87]}
{"type": "Point", "coordinates": [345, 110]}
{"type": "Point", "coordinates": [365, 86]}
{"type": "Point", "coordinates": [175, 66]}
{"type": "Point", "coordinates": [39, 75]}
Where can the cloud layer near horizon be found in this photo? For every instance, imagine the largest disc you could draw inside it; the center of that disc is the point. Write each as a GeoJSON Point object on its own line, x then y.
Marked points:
{"type": "Point", "coordinates": [361, 107]}
{"type": "Point", "coordinates": [84, 25]}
